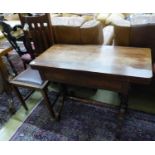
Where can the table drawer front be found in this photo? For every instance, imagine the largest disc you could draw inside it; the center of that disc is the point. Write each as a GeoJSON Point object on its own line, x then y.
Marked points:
{"type": "Point", "coordinates": [83, 79]}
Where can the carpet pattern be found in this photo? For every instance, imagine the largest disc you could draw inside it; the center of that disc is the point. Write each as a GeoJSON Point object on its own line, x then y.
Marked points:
{"type": "Point", "coordinates": [5, 112]}
{"type": "Point", "coordinates": [85, 122]}
{"type": "Point", "coordinates": [4, 104]}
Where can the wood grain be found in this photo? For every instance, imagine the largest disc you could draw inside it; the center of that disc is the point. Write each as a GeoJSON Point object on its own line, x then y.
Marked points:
{"type": "Point", "coordinates": [134, 64]}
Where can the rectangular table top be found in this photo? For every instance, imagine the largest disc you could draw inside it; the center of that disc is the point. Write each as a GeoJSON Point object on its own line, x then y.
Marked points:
{"type": "Point", "coordinates": [105, 60]}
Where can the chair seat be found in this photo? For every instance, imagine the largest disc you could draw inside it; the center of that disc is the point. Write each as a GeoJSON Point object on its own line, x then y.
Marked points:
{"type": "Point", "coordinates": [29, 76]}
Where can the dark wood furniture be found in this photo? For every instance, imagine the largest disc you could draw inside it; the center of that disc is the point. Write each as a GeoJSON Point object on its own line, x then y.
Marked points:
{"type": "Point", "coordinates": [3, 70]}
{"type": "Point", "coordinates": [4, 85]}
{"type": "Point", "coordinates": [29, 78]}
{"type": "Point", "coordinates": [4, 51]}
{"type": "Point", "coordinates": [108, 67]}
{"type": "Point", "coordinates": [8, 33]}
{"type": "Point", "coordinates": [38, 32]}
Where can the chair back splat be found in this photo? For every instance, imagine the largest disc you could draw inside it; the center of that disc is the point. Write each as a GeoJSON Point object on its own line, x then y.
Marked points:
{"type": "Point", "coordinates": [38, 32]}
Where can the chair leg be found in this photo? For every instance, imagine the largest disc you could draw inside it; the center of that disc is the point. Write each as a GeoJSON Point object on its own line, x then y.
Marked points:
{"type": "Point", "coordinates": [63, 94]}
{"type": "Point", "coordinates": [47, 101]}
{"type": "Point", "coordinates": [24, 64]}
{"type": "Point", "coordinates": [16, 90]}
{"type": "Point", "coordinates": [12, 109]}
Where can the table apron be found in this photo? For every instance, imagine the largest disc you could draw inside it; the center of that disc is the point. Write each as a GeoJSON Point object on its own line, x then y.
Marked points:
{"type": "Point", "coordinates": [86, 80]}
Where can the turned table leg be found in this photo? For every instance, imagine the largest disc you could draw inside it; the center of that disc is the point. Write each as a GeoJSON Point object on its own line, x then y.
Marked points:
{"type": "Point", "coordinates": [61, 98]}
{"type": "Point", "coordinates": [122, 110]}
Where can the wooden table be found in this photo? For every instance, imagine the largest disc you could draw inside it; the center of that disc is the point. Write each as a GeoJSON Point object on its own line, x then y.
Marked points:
{"type": "Point", "coordinates": [108, 67]}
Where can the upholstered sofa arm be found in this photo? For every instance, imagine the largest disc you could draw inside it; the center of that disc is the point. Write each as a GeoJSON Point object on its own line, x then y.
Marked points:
{"type": "Point", "coordinates": [122, 33]}
{"type": "Point", "coordinates": [91, 32]}
{"type": "Point", "coordinates": [140, 35]}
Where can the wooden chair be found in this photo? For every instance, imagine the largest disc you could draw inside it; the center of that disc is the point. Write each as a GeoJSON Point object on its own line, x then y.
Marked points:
{"type": "Point", "coordinates": [30, 78]}
{"type": "Point", "coordinates": [16, 42]}
{"type": "Point", "coordinates": [38, 32]}
{"type": "Point", "coordinates": [38, 37]}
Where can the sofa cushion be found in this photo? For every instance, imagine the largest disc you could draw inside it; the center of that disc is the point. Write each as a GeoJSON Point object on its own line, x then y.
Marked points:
{"type": "Point", "coordinates": [102, 18]}
{"type": "Point", "coordinates": [113, 17]}
{"type": "Point", "coordinates": [55, 15]}
{"type": "Point", "coordinates": [91, 32]}
{"type": "Point", "coordinates": [68, 21]}
{"type": "Point", "coordinates": [122, 22]}
{"type": "Point", "coordinates": [88, 17]}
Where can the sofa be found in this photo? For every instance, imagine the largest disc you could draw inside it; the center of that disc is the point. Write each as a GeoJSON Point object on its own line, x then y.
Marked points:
{"type": "Point", "coordinates": [76, 30]}
{"type": "Point", "coordinates": [79, 30]}
{"type": "Point", "coordinates": [104, 18]}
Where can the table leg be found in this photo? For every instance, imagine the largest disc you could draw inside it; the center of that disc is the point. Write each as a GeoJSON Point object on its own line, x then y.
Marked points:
{"type": "Point", "coordinates": [123, 109]}
{"type": "Point", "coordinates": [123, 103]}
{"type": "Point", "coordinates": [61, 99]}
{"type": "Point", "coordinates": [121, 114]}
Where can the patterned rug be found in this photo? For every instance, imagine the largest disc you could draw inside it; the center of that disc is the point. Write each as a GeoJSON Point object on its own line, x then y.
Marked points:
{"type": "Point", "coordinates": [5, 112]}
{"type": "Point", "coordinates": [85, 122]}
